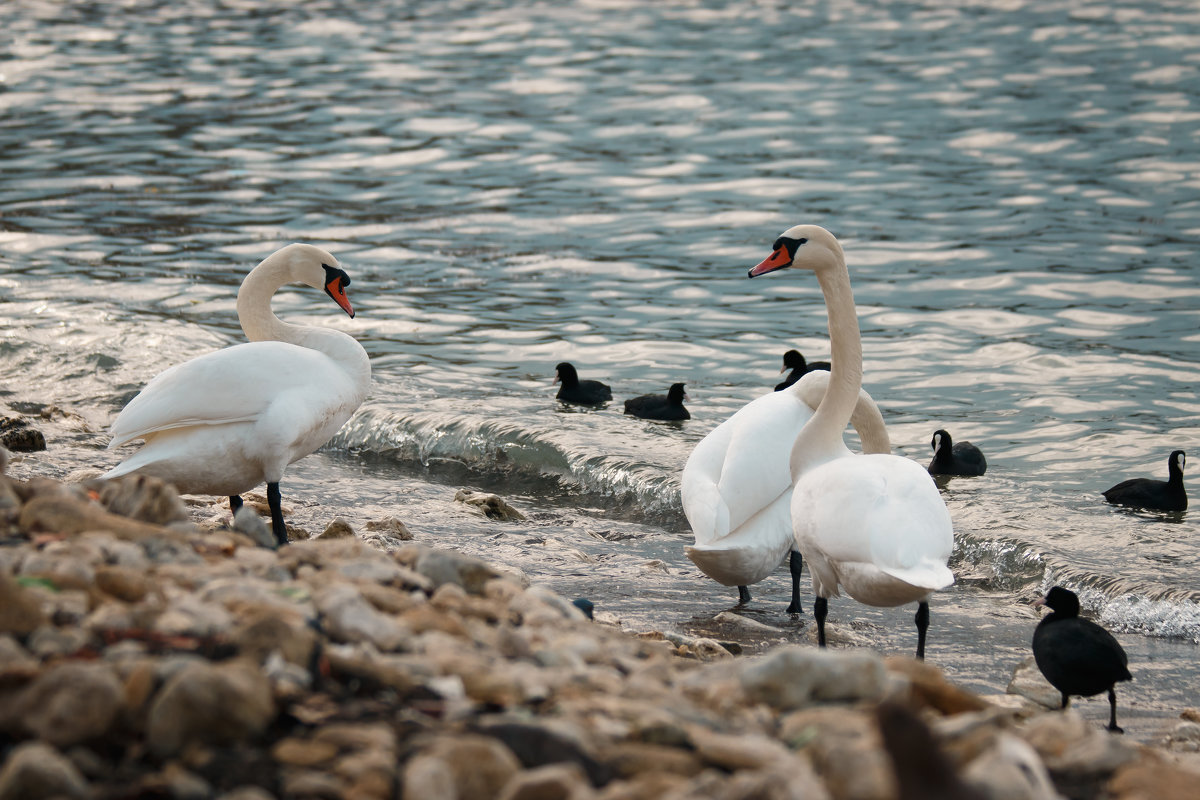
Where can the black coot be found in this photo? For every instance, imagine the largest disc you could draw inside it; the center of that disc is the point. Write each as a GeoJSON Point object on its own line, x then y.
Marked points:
{"type": "Point", "coordinates": [794, 361]}
{"type": "Point", "coordinates": [1149, 493]}
{"type": "Point", "coordinates": [659, 406]}
{"type": "Point", "coordinates": [949, 458]}
{"type": "Point", "coordinates": [574, 390]}
{"type": "Point", "coordinates": [1076, 655]}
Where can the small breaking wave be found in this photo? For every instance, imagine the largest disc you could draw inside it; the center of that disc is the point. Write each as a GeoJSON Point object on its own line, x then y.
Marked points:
{"type": "Point", "coordinates": [539, 460]}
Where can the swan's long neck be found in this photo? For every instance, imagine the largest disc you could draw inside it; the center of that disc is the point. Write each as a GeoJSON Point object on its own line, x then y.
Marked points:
{"type": "Point", "coordinates": [254, 304]}
{"type": "Point", "coordinates": [821, 439]}
{"type": "Point", "coordinates": [261, 325]}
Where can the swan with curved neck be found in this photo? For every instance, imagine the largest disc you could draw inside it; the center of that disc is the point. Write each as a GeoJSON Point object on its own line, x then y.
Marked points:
{"type": "Point", "coordinates": [736, 488]}
{"type": "Point", "coordinates": [874, 525]}
{"type": "Point", "coordinates": [225, 422]}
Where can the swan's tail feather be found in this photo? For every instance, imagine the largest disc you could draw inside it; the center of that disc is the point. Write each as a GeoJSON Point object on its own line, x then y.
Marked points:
{"type": "Point", "coordinates": [931, 575]}
{"type": "Point", "coordinates": [737, 565]}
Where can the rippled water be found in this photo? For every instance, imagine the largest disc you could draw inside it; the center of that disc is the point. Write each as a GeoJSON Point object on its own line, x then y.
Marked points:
{"type": "Point", "coordinates": [513, 185]}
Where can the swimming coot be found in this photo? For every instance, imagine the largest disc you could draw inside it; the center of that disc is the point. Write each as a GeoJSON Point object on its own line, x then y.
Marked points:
{"type": "Point", "coordinates": [573, 390]}
{"type": "Point", "coordinates": [794, 361]}
{"type": "Point", "coordinates": [949, 458]}
{"type": "Point", "coordinates": [1149, 493]}
{"type": "Point", "coordinates": [660, 406]}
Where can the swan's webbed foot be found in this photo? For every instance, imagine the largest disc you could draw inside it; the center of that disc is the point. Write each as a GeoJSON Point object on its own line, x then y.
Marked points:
{"type": "Point", "coordinates": [820, 611]}
{"type": "Point", "coordinates": [743, 595]}
{"type": "Point", "coordinates": [275, 502]}
{"type": "Point", "coordinates": [922, 620]}
{"type": "Point", "coordinates": [795, 564]}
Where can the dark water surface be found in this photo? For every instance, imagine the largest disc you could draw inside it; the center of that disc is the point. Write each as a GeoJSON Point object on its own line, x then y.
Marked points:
{"type": "Point", "coordinates": [1016, 185]}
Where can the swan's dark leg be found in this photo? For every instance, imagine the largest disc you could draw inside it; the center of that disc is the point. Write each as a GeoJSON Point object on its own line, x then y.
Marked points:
{"type": "Point", "coordinates": [743, 595]}
{"type": "Point", "coordinates": [276, 504]}
{"type": "Point", "coordinates": [1066, 699]}
{"type": "Point", "coordinates": [235, 503]}
{"type": "Point", "coordinates": [922, 620]}
{"type": "Point", "coordinates": [1112, 711]}
{"type": "Point", "coordinates": [795, 563]}
{"type": "Point", "coordinates": [820, 611]}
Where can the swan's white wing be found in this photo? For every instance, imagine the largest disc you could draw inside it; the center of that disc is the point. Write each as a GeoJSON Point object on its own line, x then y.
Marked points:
{"type": "Point", "coordinates": [702, 503]}
{"type": "Point", "coordinates": [878, 510]}
{"type": "Point", "coordinates": [232, 385]}
{"type": "Point", "coordinates": [911, 533]}
{"type": "Point", "coordinates": [741, 467]}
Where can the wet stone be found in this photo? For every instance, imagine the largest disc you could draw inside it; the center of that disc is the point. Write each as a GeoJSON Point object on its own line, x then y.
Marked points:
{"type": "Point", "coordinates": [490, 505]}
{"type": "Point", "coordinates": [337, 529]}
{"type": "Point", "coordinates": [390, 527]}
{"type": "Point", "coordinates": [209, 703]}
{"type": "Point", "coordinates": [20, 437]}
{"type": "Point", "coordinates": [37, 770]}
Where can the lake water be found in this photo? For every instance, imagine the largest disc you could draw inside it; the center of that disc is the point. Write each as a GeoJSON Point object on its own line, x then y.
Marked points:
{"type": "Point", "coordinates": [1016, 185]}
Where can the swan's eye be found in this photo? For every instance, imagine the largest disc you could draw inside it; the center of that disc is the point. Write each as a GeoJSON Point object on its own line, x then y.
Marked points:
{"type": "Point", "coordinates": [791, 245]}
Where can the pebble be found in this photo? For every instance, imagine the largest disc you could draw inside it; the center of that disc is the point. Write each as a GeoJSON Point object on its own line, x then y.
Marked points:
{"type": "Point", "coordinates": [143, 655]}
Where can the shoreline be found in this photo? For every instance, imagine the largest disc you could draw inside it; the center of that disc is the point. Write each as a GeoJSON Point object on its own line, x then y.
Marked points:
{"type": "Point", "coordinates": [140, 650]}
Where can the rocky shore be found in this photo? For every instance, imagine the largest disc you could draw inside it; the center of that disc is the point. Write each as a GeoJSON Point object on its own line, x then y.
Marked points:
{"type": "Point", "coordinates": [150, 651]}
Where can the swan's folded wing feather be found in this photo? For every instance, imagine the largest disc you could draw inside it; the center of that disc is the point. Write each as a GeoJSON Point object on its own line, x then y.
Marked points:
{"type": "Point", "coordinates": [702, 502]}
{"type": "Point", "coordinates": [915, 545]}
{"type": "Point", "coordinates": [887, 513]}
{"type": "Point", "coordinates": [755, 472]}
{"type": "Point", "coordinates": [232, 385]}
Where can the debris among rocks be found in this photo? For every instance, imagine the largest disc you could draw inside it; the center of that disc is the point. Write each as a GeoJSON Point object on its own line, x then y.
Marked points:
{"type": "Point", "coordinates": [19, 436]}
{"type": "Point", "coordinates": [143, 659]}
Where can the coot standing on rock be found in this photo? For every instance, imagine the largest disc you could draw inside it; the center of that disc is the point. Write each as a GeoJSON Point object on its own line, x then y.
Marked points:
{"type": "Point", "coordinates": [949, 458]}
{"type": "Point", "coordinates": [794, 361]}
{"type": "Point", "coordinates": [657, 406]}
{"type": "Point", "coordinates": [1167, 495]}
{"type": "Point", "coordinates": [1076, 655]}
{"type": "Point", "coordinates": [573, 390]}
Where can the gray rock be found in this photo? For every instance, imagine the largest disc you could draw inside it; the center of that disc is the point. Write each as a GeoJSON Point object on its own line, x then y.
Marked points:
{"type": "Point", "coordinates": [1183, 738]}
{"type": "Point", "coordinates": [20, 611]}
{"type": "Point", "coordinates": [467, 767]}
{"type": "Point", "coordinates": [337, 529]}
{"type": "Point", "coordinates": [36, 770]}
{"type": "Point", "coordinates": [1081, 757]}
{"type": "Point", "coordinates": [795, 677]}
{"type": "Point", "coordinates": [554, 782]}
{"type": "Point", "coordinates": [248, 521]}
{"type": "Point", "coordinates": [490, 505]}
{"type": "Point", "coordinates": [143, 498]}
{"type": "Point", "coordinates": [70, 702]}
{"type": "Point", "coordinates": [1010, 770]}
{"type": "Point", "coordinates": [444, 566]}
{"type": "Point", "coordinates": [347, 616]}
{"type": "Point", "coordinates": [391, 527]}
{"type": "Point", "coordinates": [537, 745]}
{"type": "Point", "coordinates": [1028, 682]}
{"type": "Point", "coordinates": [210, 703]}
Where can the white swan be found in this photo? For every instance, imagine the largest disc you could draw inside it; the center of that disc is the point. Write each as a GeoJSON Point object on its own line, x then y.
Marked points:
{"type": "Point", "coordinates": [227, 421]}
{"type": "Point", "coordinates": [874, 524]}
{"type": "Point", "coordinates": [736, 486]}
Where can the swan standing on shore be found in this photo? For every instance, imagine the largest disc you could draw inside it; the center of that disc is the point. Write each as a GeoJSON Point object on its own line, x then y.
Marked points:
{"type": "Point", "coordinates": [736, 488]}
{"type": "Point", "coordinates": [874, 524]}
{"type": "Point", "coordinates": [227, 421]}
